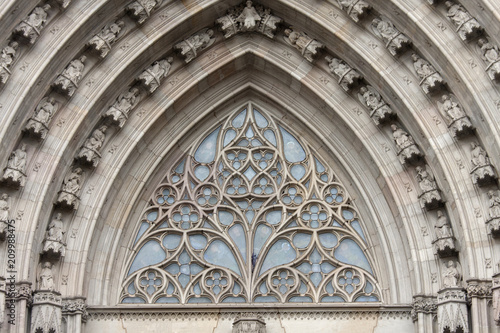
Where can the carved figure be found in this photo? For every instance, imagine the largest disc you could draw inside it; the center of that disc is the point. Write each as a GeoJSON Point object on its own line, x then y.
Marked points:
{"type": "Point", "coordinates": [467, 26]}
{"type": "Point", "coordinates": [140, 10]}
{"type": "Point", "coordinates": [101, 43]}
{"type": "Point", "coordinates": [118, 112]}
{"type": "Point", "coordinates": [494, 213]}
{"type": "Point", "coordinates": [380, 111]}
{"type": "Point", "coordinates": [308, 47]}
{"type": "Point", "coordinates": [53, 243]}
{"type": "Point", "coordinates": [67, 81]}
{"type": "Point", "coordinates": [153, 75]}
{"type": "Point", "coordinates": [444, 245]}
{"type": "Point", "coordinates": [430, 197]}
{"type": "Point", "coordinates": [68, 196]}
{"type": "Point", "coordinates": [90, 151]}
{"type": "Point", "coordinates": [268, 23]}
{"type": "Point", "coordinates": [38, 124]}
{"type": "Point", "coordinates": [6, 60]}
{"type": "Point", "coordinates": [442, 227]}
{"type": "Point", "coordinates": [395, 41]}
{"type": "Point", "coordinates": [46, 279]}
{"type": "Point", "coordinates": [451, 276]}
{"type": "Point", "coordinates": [249, 18]}
{"type": "Point", "coordinates": [483, 172]}
{"type": "Point", "coordinates": [193, 45]}
{"type": "Point", "coordinates": [408, 151]}
{"type": "Point", "coordinates": [490, 54]}
{"type": "Point", "coordinates": [15, 172]}
{"type": "Point", "coordinates": [458, 121]}
{"type": "Point", "coordinates": [356, 9]}
{"type": "Point", "coordinates": [30, 28]}
{"type": "Point", "coordinates": [348, 77]}
{"type": "Point", "coordinates": [495, 288]}
{"type": "Point", "coordinates": [430, 80]}
{"type": "Point", "coordinates": [4, 215]}
{"type": "Point", "coordinates": [425, 180]}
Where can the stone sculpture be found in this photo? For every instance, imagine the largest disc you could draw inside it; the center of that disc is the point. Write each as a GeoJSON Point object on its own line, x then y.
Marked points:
{"type": "Point", "coordinates": [152, 76]}
{"type": "Point", "coordinates": [380, 111]}
{"type": "Point", "coordinates": [38, 124]}
{"type": "Point", "coordinates": [493, 221]}
{"type": "Point", "coordinates": [15, 172]}
{"type": "Point", "coordinates": [430, 197]}
{"type": "Point", "coordinates": [395, 41]}
{"type": "Point", "coordinates": [90, 153]}
{"type": "Point", "coordinates": [6, 60]}
{"type": "Point", "coordinates": [46, 279]}
{"type": "Point", "coordinates": [249, 323]}
{"type": "Point", "coordinates": [356, 9]}
{"type": "Point", "coordinates": [408, 151]}
{"type": "Point", "coordinates": [444, 244]}
{"type": "Point", "coordinates": [347, 77]}
{"type": "Point", "coordinates": [430, 80]}
{"type": "Point", "coordinates": [308, 47]}
{"type": "Point", "coordinates": [193, 45]}
{"type": "Point", "coordinates": [457, 120]}
{"type": "Point", "coordinates": [140, 10]}
{"type": "Point", "coordinates": [451, 276]}
{"type": "Point", "coordinates": [67, 81]}
{"type": "Point", "coordinates": [490, 54]}
{"type": "Point", "coordinates": [53, 245]}
{"type": "Point", "coordinates": [118, 112]}
{"type": "Point", "coordinates": [101, 43]}
{"type": "Point", "coordinates": [4, 215]}
{"type": "Point", "coordinates": [68, 197]}
{"type": "Point", "coordinates": [467, 26]}
{"type": "Point", "coordinates": [483, 172]}
{"type": "Point", "coordinates": [30, 28]}
{"type": "Point", "coordinates": [495, 289]}
{"type": "Point", "coordinates": [248, 18]}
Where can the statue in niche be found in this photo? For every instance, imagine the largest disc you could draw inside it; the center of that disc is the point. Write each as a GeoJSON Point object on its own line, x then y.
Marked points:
{"type": "Point", "coordinates": [408, 151]}
{"type": "Point", "coordinates": [380, 111]}
{"type": "Point", "coordinates": [395, 41]}
{"type": "Point", "coordinates": [118, 112]}
{"type": "Point", "coordinates": [15, 172]}
{"type": "Point", "coordinates": [444, 245]}
{"type": "Point", "coordinates": [430, 197]}
{"type": "Point", "coordinates": [6, 60]}
{"type": "Point", "coordinates": [30, 28]}
{"type": "Point", "coordinates": [458, 121]}
{"type": "Point", "coordinates": [494, 213]}
{"type": "Point", "coordinates": [140, 10]}
{"type": "Point", "coordinates": [54, 243]}
{"type": "Point", "coordinates": [467, 26]}
{"type": "Point", "coordinates": [4, 215]}
{"type": "Point", "coordinates": [67, 81]}
{"type": "Point", "coordinates": [38, 124]}
{"type": "Point", "coordinates": [68, 196]}
{"type": "Point", "coordinates": [483, 172]}
{"type": "Point", "coordinates": [451, 276]}
{"type": "Point", "coordinates": [249, 18]}
{"type": "Point", "coordinates": [308, 47]}
{"type": "Point", "coordinates": [101, 43]}
{"type": "Point", "coordinates": [490, 54]}
{"type": "Point", "coordinates": [153, 75]}
{"type": "Point", "coordinates": [90, 152]}
{"type": "Point", "coordinates": [356, 9]}
{"type": "Point", "coordinates": [348, 77]}
{"type": "Point", "coordinates": [193, 45]}
{"type": "Point", "coordinates": [430, 80]}
{"type": "Point", "coordinates": [46, 279]}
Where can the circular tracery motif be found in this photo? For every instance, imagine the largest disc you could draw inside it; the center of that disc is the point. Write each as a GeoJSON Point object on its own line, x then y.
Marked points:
{"type": "Point", "coordinates": [240, 219]}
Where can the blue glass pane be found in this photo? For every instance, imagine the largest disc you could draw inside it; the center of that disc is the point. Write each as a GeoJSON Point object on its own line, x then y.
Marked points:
{"type": "Point", "coordinates": [133, 300]}
{"type": "Point", "coordinates": [201, 172]}
{"type": "Point", "coordinates": [332, 299]}
{"type": "Point", "coordinates": [328, 240]}
{"type": "Point", "coordinates": [198, 242]}
{"type": "Point", "coordinates": [326, 267]}
{"type": "Point", "coordinates": [319, 167]}
{"type": "Point", "coordinates": [249, 133]}
{"type": "Point", "coordinates": [301, 240]}
{"type": "Point", "coordinates": [238, 121]}
{"type": "Point", "coordinates": [230, 135]}
{"type": "Point", "coordinates": [232, 299]}
{"type": "Point", "coordinates": [316, 278]}
{"type": "Point", "coordinates": [293, 150]}
{"type": "Point", "coordinates": [237, 234]}
{"type": "Point", "coordinates": [171, 241]}
{"type": "Point", "coordinates": [280, 253]}
{"type": "Point", "coordinates": [152, 216]}
{"type": "Point", "coordinates": [355, 224]}
{"type": "Point", "coordinates": [151, 253]}
{"type": "Point", "coordinates": [368, 288]}
{"type": "Point", "coordinates": [180, 167]}
{"type": "Point", "coordinates": [347, 214]}
{"type": "Point", "coordinates": [367, 299]}
{"type": "Point", "coordinates": [225, 218]}
{"type": "Point", "coordinates": [270, 136]}
{"type": "Point", "coordinates": [259, 119]}
{"type": "Point", "coordinates": [266, 299]}
{"type": "Point", "coordinates": [298, 171]}
{"type": "Point", "coordinates": [167, 300]}
{"type": "Point", "coordinates": [206, 151]}
{"type": "Point", "coordinates": [300, 299]}
{"type": "Point", "coordinates": [273, 217]}
{"type": "Point", "coordinates": [144, 226]}
{"type": "Point", "coordinates": [198, 300]}
{"type": "Point", "coordinates": [350, 253]}
{"type": "Point", "coordinates": [250, 173]}
{"type": "Point", "coordinates": [218, 253]}
{"type": "Point", "coordinates": [261, 235]}
{"type": "Point", "coordinates": [163, 225]}
{"type": "Point", "coordinates": [236, 288]}
{"type": "Point", "coordinates": [195, 269]}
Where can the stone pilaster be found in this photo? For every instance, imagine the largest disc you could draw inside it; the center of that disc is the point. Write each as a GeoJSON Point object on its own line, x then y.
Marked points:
{"type": "Point", "coordinates": [74, 311]}
{"type": "Point", "coordinates": [452, 310]}
{"type": "Point", "coordinates": [423, 309]}
{"type": "Point", "coordinates": [495, 291]}
{"type": "Point", "coordinates": [46, 313]}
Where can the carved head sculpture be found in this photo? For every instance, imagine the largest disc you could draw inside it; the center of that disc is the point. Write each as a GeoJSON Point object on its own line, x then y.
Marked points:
{"type": "Point", "coordinates": [23, 147]}
{"type": "Point", "coordinates": [481, 42]}
{"type": "Point", "coordinates": [51, 100]}
{"type": "Point", "coordinates": [4, 196]}
{"type": "Point", "coordinates": [210, 33]}
{"type": "Point", "coordinates": [418, 169]}
{"type": "Point", "coordinates": [439, 214]}
{"type": "Point", "coordinates": [59, 216]}
{"type": "Point", "coordinates": [449, 4]}
{"type": "Point", "coordinates": [394, 127]}
{"type": "Point", "coordinates": [415, 57]}
{"type": "Point", "coordinates": [491, 194]}
{"type": "Point", "coordinates": [47, 264]}
{"type": "Point", "coordinates": [363, 90]}
{"type": "Point", "coordinates": [103, 128]}
{"type": "Point", "coordinates": [249, 4]}
{"type": "Point", "coordinates": [14, 45]}
{"type": "Point", "coordinates": [83, 58]}
{"type": "Point", "coordinates": [46, 7]}
{"type": "Point", "coordinates": [445, 97]}
{"type": "Point", "coordinates": [473, 145]}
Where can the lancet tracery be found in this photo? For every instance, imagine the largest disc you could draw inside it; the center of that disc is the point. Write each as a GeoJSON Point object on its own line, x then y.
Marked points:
{"type": "Point", "coordinates": [251, 215]}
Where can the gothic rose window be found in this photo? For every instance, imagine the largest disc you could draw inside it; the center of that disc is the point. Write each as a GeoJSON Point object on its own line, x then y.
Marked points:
{"type": "Point", "coordinates": [250, 215]}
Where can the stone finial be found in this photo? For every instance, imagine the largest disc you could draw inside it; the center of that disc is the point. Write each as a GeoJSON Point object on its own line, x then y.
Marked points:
{"type": "Point", "coordinates": [395, 41]}
{"type": "Point", "coordinates": [140, 10]}
{"type": "Point", "coordinates": [380, 111]}
{"type": "Point", "coordinates": [194, 44]}
{"type": "Point", "coordinates": [90, 152]}
{"type": "Point", "coordinates": [356, 9]}
{"type": "Point", "coordinates": [347, 77]}
{"type": "Point", "coordinates": [67, 81]}
{"type": "Point", "coordinates": [38, 124]}
{"type": "Point", "coordinates": [152, 76]}
{"type": "Point", "coordinates": [30, 28]}
{"type": "Point", "coordinates": [458, 121]}
{"type": "Point", "coordinates": [408, 151]}
{"type": "Point", "coordinates": [308, 47]}
{"type": "Point", "coordinates": [467, 26]}
{"type": "Point", "coordinates": [118, 113]}
{"type": "Point", "coordinates": [101, 42]}
{"type": "Point", "coordinates": [430, 198]}
{"type": "Point", "coordinates": [15, 172]}
{"type": "Point", "coordinates": [430, 80]}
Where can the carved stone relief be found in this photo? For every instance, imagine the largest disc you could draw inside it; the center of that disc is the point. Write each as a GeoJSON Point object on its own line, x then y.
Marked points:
{"type": "Point", "coordinates": [493, 221]}
{"type": "Point", "coordinates": [15, 172]}
{"type": "Point", "coordinates": [68, 197]}
{"type": "Point", "coordinates": [430, 80]}
{"type": "Point", "coordinates": [152, 76]}
{"type": "Point", "coordinates": [90, 152]}
{"type": "Point", "coordinates": [193, 45]}
{"type": "Point", "coordinates": [140, 10]}
{"type": "Point", "coordinates": [6, 59]}
{"type": "Point", "coordinates": [395, 41]}
{"type": "Point", "coordinates": [30, 28]}
{"type": "Point", "coordinates": [38, 124]}
{"type": "Point", "coordinates": [45, 279]}
{"type": "Point", "coordinates": [430, 197]}
{"type": "Point", "coordinates": [249, 323]}
{"type": "Point", "coordinates": [308, 47]}
{"type": "Point", "coordinates": [423, 304]}
{"type": "Point", "coordinates": [467, 27]}
{"type": "Point", "coordinates": [4, 215]}
{"type": "Point", "coordinates": [444, 244]}
{"type": "Point", "coordinates": [53, 244]}
{"type": "Point", "coordinates": [356, 9]}
{"type": "Point", "coordinates": [67, 81]}
{"type": "Point", "coordinates": [491, 55]}
{"type": "Point", "coordinates": [347, 77]}
{"type": "Point", "coordinates": [101, 42]}
{"type": "Point", "coordinates": [408, 151]}
{"type": "Point", "coordinates": [496, 298]}
{"type": "Point", "coordinates": [117, 114]}
{"type": "Point", "coordinates": [483, 172]}
{"type": "Point", "coordinates": [458, 122]}
{"type": "Point", "coordinates": [380, 111]}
